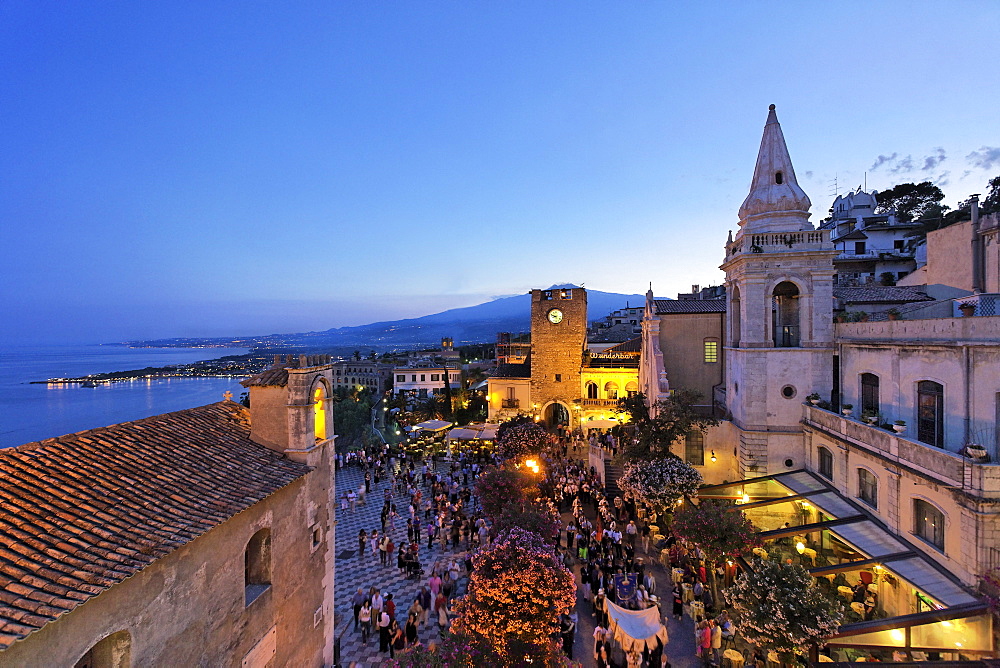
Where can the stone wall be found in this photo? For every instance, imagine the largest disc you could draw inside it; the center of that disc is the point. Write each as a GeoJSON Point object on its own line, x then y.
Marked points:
{"type": "Point", "coordinates": [557, 348]}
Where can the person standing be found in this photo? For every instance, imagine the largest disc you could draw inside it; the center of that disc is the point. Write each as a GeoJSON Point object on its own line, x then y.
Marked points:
{"type": "Point", "coordinates": [567, 629]}
{"type": "Point", "coordinates": [365, 615]}
{"type": "Point", "coordinates": [356, 602]}
{"type": "Point", "coordinates": [383, 632]}
{"type": "Point", "coordinates": [362, 544]}
{"type": "Point", "coordinates": [716, 640]}
{"type": "Point", "coordinates": [411, 629]}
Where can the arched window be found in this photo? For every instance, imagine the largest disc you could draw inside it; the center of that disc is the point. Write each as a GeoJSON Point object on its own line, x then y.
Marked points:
{"type": "Point", "coordinates": [825, 463]}
{"type": "Point", "coordinates": [591, 390]}
{"type": "Point", "coordinates": [114, 651]}
{"type": "Point", "coordinates": [928, 523]}
{"type": "Point", "coordinates": [785, 315]}
{"type": "Point", "coordinates": [779, 178]}
{"type": "Point", "coordinates": [930, 413]}
{"type": "Point", "coordinates": [869, 393]}
{"type": "Point", "coordinates": [734, 317]}
{"type": "Point", "coordinates": [868, 487]}
{"type": "Point", "coordinates": [694, 448]}
{"type": "Point", "coordinates": [632, 388]}
{"type": "Point", "coordinates": [257, 565]}
{"type": "Point", "coordinates": [319, 413]}
{"type": "Point", "coordinates": [611, 390]}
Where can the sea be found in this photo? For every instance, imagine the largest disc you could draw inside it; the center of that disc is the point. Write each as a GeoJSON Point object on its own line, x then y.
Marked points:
{"type": "Point", "coordinates": [35, 412]}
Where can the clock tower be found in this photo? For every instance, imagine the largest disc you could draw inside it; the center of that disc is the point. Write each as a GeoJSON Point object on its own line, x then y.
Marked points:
{"type": "Point", "coordinates": [558, 341]}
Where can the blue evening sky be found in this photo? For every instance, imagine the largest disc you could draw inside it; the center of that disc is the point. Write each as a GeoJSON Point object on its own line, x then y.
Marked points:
{"type": "Point", "coordinates": [208, 168]}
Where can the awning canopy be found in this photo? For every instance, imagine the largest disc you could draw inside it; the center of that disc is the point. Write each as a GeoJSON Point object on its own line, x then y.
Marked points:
{"type": "Point", "coordinates": [636, 629]}
{"type": "Point", "coordinates": [432, 425]}
{"type": "Point", "coordinates": [600, 424]}
{"type": "Point", "coordinates": [473, 431]}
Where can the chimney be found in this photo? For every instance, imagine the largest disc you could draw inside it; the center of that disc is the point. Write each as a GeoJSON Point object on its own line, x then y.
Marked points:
{"type": "Point", "coordinates": [977, 247]}
{"type": "Point", "coordinates": [695, 289]}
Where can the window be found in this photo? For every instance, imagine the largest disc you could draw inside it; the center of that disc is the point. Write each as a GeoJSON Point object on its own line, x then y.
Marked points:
{"type": "Point", "coordinates": [413, 378]}
{"type": "Point", "coordinates": [435, 377]}
{"type": "Point", "coordinates": [869, 393]}
{"type": "Point", "coordinates": [591, 390]}
{"type": "Point", "coordinates": [558, 377]}
{"type": "Point", "coordinates": [930, 413]}
{"type": "Point", "coordinates": [898, 244]}
{"type": "Point", "coordinates": [859, 247]}
{"type": "Point", "coordinates": [422, 393]}
{"type": "Point", "coordinates": [257, 566]}
{"type": "Point", "coordinates": [401, 378]}
{"type": "Point", "coordinates": [868, 487]}
{"type": "Point", "coordinates": [114, 651]}
{"type": "Point", "coordinates": [711, 351]}
{"type": "Point", "coordinates": [826, 463]}
{"type": "Point", "coordinates": [779, 178]}
{"type": "Point", "coordinates": [928, 523]}
{"type": "Point", "coordinates": [423, 377]}
{"type": "Point", "coordinates": [694, 448]}
{"type": "Point", "coordinates": [785, 315]}
{"type": "Point", "coordinates": [611, 390]}
{"type": "Point", "coordinates": [632, 388]}
{"type": "Point", "coordinates": [319, 414]}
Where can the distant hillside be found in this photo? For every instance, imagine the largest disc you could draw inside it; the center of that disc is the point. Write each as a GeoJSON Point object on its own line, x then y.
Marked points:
{"type": "Point", "coordinates": [472, 324]}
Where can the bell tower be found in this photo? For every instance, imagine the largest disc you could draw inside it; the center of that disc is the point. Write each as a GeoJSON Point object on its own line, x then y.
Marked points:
{"type": "Point", "coordinates": [779, 292]}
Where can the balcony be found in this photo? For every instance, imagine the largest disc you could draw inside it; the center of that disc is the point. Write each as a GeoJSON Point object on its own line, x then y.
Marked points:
{"type": "Point", "coordinates": [946, 467]}
{"type": "Point", "coordinates": [875, 254]}
{"type": "Point", "coordinates": [510, 403]}
{"type": "Point", "coordinates": [767, 243]}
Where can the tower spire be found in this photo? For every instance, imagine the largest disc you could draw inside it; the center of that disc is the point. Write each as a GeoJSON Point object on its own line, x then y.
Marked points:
{"type": "Point", "coordinates": [776, 203]}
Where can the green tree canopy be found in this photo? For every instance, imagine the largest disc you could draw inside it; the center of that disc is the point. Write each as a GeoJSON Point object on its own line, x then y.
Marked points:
{"type": "Point", "coordinates": [912, 201]}
{"type": "Point", "coordinates": [648, 434]}
{"type": "Point", "coordinates": [991, 203]}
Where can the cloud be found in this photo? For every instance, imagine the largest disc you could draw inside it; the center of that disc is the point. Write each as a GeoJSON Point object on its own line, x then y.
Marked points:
{"type": "Point", "coordinates": [932, 161]}
{"type": "Point", "coordinates": [942, 179]}
{"type": "Point", "coordinates": [809, 174]}
{"type": "Point", "coordinates": [881, 160]}
{"type": "Point", "coordinates": [902, 165]}
{"type": "Point", "coordinates": [987, 157]}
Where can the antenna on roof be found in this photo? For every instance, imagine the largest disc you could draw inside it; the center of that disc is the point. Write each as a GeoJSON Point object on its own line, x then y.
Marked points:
{"type": "Point", "coordinates": [834, 186]}
{"type": "Point", "coordinates": [866, 181]}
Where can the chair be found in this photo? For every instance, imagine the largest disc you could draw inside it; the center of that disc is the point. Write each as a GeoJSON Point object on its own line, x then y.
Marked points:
{"type": "Point", "coordinates": [867, 578]}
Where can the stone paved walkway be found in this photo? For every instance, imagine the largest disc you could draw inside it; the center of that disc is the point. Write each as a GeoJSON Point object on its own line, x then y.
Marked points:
{"type": "Point", "coordinates": [355, 571]}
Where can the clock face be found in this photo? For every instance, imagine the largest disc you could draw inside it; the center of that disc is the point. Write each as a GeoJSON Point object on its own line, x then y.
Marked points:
{"type": "Point", "coordinates": [555, 316]}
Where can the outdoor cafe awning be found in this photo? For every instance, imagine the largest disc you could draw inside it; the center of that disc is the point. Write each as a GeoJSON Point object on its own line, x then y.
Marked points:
{"type": "Point", "coordinates": [432, 425]}
{"type": "Point", "coordinates": [473, 432]}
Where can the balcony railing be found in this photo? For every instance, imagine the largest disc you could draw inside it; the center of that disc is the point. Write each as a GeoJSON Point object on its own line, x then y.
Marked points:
{"type": "Point", "coordinates": [599, 403]}
{"type": "Point", "coordinates": [947, 467]}
{"type": "Point", "coordinates": [510, 403]}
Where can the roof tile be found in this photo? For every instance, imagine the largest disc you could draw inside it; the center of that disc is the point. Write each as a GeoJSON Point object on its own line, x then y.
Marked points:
{"type": "Point", "coordinates": [87, 510]}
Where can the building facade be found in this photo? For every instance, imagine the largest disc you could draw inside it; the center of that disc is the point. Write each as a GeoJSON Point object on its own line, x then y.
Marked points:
{"type": "Point", "coordinates": [201, 537]}
{"type": "Point", "coordinates": [362, 375]}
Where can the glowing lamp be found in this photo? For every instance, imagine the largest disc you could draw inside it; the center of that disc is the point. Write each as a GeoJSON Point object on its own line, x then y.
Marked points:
{"type": "Point", "coordinates": [746, 498]}
{"type": "Point", "coordinates": [713, 457]}
{"type": "Point", "coordinates": [530, 463]}
{"type": "Point", "coordinates": [897, 635]}
{"type": "Point", "coordinates": [800, 547]}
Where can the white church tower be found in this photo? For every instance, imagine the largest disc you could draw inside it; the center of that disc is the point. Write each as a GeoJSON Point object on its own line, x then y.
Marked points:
{"type": "Point", "coordinates": [779, 292]}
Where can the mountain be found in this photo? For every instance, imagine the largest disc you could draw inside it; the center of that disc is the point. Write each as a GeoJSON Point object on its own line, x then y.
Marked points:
{"type": "Point", "coordinates": [471, 324]}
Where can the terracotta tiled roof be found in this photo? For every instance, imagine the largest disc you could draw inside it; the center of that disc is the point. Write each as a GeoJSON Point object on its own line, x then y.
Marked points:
{"type": "Point", "coordinates": [873, 294]}
{"type": "Point", "coordinates": [667, 306]}
{"type": "Point", "coordinates": [85, 511]}
{"type": "Point", "coordinates": [630, 346]}
{"type": "Point", "coordinates": [273, 376]}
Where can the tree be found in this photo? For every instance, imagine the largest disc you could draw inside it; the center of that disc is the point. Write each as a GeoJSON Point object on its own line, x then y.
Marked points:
{"type": "Point", "coordinates": [496, 488]}
{"type": "Point", "coordinates": [779, 608]}
{"type": "Point", "coordinates": [720, 529]}
{"type": "Point", "coordinates": [911, 201]}
{"type": "Point", "coordinates": [649, 433]}
{"type": "Point", "coordinates": [517, 590]}
{"type": "Point", "coordinates": [522, 439]}
{"type": "Point", "coordinates": [991, 203]}
{"type": "Point", "coordinates": [661, 482]}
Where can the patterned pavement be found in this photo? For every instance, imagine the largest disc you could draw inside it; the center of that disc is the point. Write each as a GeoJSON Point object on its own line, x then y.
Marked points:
{"type": "Point", "coordinates": [365, 571]}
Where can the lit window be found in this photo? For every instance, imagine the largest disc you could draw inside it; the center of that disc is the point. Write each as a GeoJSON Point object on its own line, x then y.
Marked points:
{"type": "Point", "coordinates": [928, 523]}
{"type": "Point", "coordinates": [694, 448]}
{"type": "Point", "coordinates": [930, 413]}
{"type": "Point", "coordinates": [868, 487]}
{"type": "Point", "coordinates": [711, 351]}
{"type": "Point", "coordinates": [435, 377]}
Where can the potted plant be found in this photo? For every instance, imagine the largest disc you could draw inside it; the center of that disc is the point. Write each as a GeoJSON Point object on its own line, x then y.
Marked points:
{"type": "Point", "coordinates": [968, 309]}
{"type": "Point", "coordinates": [813, 398]}
{"type": "Point", "coordinates": [847, 409]}
{"type": "Point", "coordinates": [893, 314]}
{"type": "Point", "coordinates": [976, 452]}
{"type": "Point", "coordinates": [899, 427]}
{"type": "Point", "coordinates": [869, 416]}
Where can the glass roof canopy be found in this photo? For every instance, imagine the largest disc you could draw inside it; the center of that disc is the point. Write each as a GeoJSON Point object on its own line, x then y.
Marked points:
{"type": "Point", "coordinates": [798, 503]}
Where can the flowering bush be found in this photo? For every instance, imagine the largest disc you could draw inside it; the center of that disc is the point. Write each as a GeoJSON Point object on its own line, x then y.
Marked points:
{"type": "Point", "coordinates": [779, 608]}
{"type": "Point", "coordinates": [520, 440]}
{"type": "Point", "coordinates": [498, 488]}
{"type": "Point", "coordinates": [659, 482]}
{"type": "Point", "coordinates": [517, 590]}
{"type": "Point", "coordinates": [538, 517]}
{"type": "Point", "coordinates": [721, 530]}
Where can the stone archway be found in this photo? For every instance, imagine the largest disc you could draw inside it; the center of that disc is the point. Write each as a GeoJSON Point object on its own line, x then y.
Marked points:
{"type": "Point", "coordinates": [556, 414]}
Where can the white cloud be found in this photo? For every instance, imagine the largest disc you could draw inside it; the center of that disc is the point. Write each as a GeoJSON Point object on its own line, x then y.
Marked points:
{"type": "Point", "coordinates": [987, 157]}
